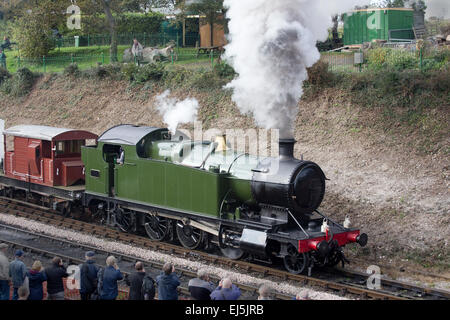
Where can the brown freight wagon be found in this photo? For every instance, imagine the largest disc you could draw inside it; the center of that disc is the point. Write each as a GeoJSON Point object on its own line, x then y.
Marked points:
{"type": "Point", "coordinates": [46, 155]}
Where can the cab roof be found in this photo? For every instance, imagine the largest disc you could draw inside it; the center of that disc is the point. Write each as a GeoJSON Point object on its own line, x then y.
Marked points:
{"type": "Point", "coordinates": [126, 134]}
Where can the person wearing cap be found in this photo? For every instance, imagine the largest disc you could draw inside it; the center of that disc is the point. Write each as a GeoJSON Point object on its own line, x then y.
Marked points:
{"type": "Point", "coordinates": [88, 277]}
{"type": "Point", "coordinates": [17, 272]}
{"type": "Point", "coordinates": [4, 273]}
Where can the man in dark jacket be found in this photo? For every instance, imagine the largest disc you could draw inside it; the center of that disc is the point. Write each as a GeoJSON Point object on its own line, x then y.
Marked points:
{"type": "Point", "coordinates": [17, 272]}
{"type": "Point", "coordinates": [167, 283]}
{"type": "Point", "coordinates": [111, 275]}
{"type": "Point", "coordinates": [134, 281]}
{"type": "Point", "coordinates": [88, 276]}
{"type": "Point", "coordinates": [55, 275]}
{"type": "Point", "coordinates": [200, 287]}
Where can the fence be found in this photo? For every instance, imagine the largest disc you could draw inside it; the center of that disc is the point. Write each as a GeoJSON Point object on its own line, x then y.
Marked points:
{"type": "Point", "coordinates": [400, 59]}
{"type": "Point", "coordinates": [389, 56]}
{"type": "Point", "coordinates": [59, 62]}
{"type": "Point", "coordinates": [147, 40]}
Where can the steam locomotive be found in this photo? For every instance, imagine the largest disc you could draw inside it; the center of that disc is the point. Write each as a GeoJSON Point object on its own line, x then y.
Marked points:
{"type": "Point", "coordinates": [203, 193]}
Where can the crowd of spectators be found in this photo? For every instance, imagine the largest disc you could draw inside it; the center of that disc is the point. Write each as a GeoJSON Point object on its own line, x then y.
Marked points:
{"type": "Point", "coordinates": [101, 283]}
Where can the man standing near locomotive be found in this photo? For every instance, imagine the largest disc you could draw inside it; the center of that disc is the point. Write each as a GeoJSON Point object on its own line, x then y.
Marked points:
{"type": "Point", "coordinates": [4, 273]}
{"type": "Point", "coordinates": [200, 287]}
{"type": "Point", "coordinates": [168, 283]}
{"type": "Point", "coordinates": [17, 272]}
{"type": "Point", "coordinates": [109, 289]}
{"type": "Point", "coordinates": [55, 275]}
{"type": "Point", "coordinates": [88, 277]}
{"type": "Point", "coordinates": [226, 291]}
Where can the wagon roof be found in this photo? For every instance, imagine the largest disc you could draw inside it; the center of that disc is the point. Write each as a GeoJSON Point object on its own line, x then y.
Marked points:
{"type": "Point", "coordinates": [48, 133]}
{"type": "Point", "coordinates": [126, 134]}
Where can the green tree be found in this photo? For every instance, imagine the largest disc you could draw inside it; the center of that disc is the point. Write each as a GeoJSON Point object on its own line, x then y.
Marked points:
{"type": "Point", "coordinates": [33, 26]}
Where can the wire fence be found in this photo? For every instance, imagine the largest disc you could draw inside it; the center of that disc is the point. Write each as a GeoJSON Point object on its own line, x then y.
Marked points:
{"type": "Point", "coordinates": [146, 39]}
{"type": "Point", "coordinates": [84, 61]}
{"type": "Point", "coordinates": [400, 59]}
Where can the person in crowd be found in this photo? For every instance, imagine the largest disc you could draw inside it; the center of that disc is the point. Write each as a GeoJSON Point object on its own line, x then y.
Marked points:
{"type": "Point", "coordinates": [200, 287]}
{"type": "Point", "coordinates": [36, 277]}
{"type": "Point", "coordinates": [2, 59]}
{"type": "Point", "coordinates": [17, 272]}
{"type": "Point", "coordinates": [135, 281]}
{"type": "Point", "coordinates": [4, 273]}
{"type": "Point", "coordinates": [109, 288]}
{"type": "Point", "coordinates": [303, 295]}
{"type": "Point", "coordinates": [88, 277]}
{"type": "Point", "coordinates": [148, 288]}
{"type": "Point", "coordinates": [264, 293]}
{"type": "Point", "coordinates": [137, 50]}
{"type": "Point", "coordinates": [23, 293]}
{"type": "Point", "coordinates": [226, 291]}
{"type": "Point", "coordinates": [168, 283]}
{"type": "Point", "coordinates": [55, 275]}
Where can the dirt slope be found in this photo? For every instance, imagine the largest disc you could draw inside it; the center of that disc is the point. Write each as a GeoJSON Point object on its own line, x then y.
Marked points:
{"type": "Point", "coordinates": [378, 175]}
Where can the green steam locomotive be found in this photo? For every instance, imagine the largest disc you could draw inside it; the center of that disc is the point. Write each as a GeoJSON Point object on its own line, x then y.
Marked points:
{"type": "Point", "coordinates": [204, 194]}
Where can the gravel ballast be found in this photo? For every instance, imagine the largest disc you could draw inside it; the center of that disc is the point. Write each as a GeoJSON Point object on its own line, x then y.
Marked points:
{"type": "Point", "coordinates": [150, 255]}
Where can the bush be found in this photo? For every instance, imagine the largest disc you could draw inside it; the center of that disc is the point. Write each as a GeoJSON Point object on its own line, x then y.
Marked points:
{"type": "Point", "coordinates": [4, 75]}
{"type": "Point", "coordinates": [71, 70]}
{"type": "Point", "coordinates": [151, 71]}
{"type": "Point", "coordinates": [128, 71]}
{"type": "Point", "coordinates": [128, 22]}
{"type": "Point", "coordinates": [377, 58]}
{"type": "Point", "coordinates": [19, 84]}
{"type": "Point", "coordinates": [399, 60]}
{"type": "Point", "coordinates": [319, 74]}
{"type": "Point", "coordinates": [224, 70]}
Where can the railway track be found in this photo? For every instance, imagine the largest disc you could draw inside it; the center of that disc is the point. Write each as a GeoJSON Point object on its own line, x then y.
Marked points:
{"type": "Point", "coordinates": [341, 281]}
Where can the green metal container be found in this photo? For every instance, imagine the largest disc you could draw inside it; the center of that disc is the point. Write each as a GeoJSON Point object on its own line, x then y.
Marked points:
{"type": "Point", "coordinates": [392, 24]}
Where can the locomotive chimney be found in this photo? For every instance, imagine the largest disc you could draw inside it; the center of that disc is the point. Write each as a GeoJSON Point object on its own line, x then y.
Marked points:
{"type": "Point", "coordinates": [286, 148]}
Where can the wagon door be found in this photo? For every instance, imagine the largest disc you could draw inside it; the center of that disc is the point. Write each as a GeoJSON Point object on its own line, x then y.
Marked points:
{"type": "Point", "coordinates": [34, 159]}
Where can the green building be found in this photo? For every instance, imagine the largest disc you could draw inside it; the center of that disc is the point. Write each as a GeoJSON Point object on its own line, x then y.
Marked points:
{"type": "Point", "coordinates": [391, 24]}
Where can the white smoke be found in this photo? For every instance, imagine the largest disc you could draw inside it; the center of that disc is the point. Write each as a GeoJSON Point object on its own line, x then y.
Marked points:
{"type": "Point", "coordinates": [437, 8]}
{"type": "Point", "coordinates": [175, 112]}
{"type": "Point", "coordinates": [271, 43]}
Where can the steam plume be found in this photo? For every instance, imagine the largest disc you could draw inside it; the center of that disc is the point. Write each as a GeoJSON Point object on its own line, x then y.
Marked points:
{"type": "Point", "coordinates": [175, 112]}
{"type": "Point", "coordinates": [271, 45]}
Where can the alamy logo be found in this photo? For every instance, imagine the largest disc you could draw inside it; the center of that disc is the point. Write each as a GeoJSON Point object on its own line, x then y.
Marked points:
{"type": "Point", "coordinates": [374, 280]}
{"type": "Point", "coordinates": [74, 20]}
{"type": "Point", "coordinates": [73, 280]}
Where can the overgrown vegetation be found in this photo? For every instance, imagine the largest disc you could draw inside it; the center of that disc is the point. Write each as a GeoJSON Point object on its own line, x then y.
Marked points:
{"type": "Point", "coordinates": [387, 58]}
{"type": "Point", "coordinates": [19, 84]}
{"type": "Point", "coordinates": [4, 75]}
